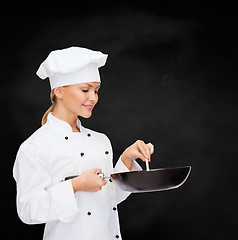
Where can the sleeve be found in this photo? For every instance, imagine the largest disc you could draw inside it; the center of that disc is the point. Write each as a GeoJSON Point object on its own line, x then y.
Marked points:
{"type": "Point", "coordinates": [37, 200]}
{"type": "Point", "coordinates": [120, 167]}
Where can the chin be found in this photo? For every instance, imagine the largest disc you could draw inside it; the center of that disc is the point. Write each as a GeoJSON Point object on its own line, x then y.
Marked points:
{"type": "Point", "coordinates": [85, 115]}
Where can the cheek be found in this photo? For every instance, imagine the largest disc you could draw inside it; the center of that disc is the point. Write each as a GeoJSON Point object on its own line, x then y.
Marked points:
{"type": "Point", "coordinates": [96, 99]}
{"type": "Point", "coordinates": [75, 98]}
{"type": "Point", "coordinates": [78, 97]}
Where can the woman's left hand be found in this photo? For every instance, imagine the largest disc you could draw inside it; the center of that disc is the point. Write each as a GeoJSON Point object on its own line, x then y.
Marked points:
{"type": "Point", "coordinates": [137, 150]}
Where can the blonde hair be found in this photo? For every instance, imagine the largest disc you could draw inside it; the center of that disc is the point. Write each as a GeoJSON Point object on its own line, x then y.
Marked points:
{"type": "Point", "coordinates": [53, 100]}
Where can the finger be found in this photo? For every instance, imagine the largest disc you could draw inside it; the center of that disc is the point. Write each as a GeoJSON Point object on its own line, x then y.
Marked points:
{"type": "Point", "coordinates": [151, 148]}
{"type": "Point", "coordinates": [142, 157]}
{"type": "Point", "coordinates": [143, 149]}
{"type": "Point", "coordinates": [148, 151]}
{"type": "Point", "coordinates": [102, 182]}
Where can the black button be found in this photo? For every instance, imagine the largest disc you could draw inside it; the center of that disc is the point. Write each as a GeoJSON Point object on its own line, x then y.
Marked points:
{"type": "Point", "coordinates": [106, 152]}
{"type": "Point", "coordinates": [114, 208]}
{"type": "Point", "coordinates": [110, 180]}
{"type": "Point", "coordinates": [66, 138]}
{"type": "Point", "coordinates": [81, 154]}
{"type": "Point", "coordinates": [89, 213]}
{"type": "Point", "coordinates": [117, 236]}
{"type": "Point", "coordinates": [89, 135]}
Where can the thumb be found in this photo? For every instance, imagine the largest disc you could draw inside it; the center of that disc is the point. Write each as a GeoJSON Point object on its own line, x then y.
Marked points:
{"type": "Point", "coordinates": [142, 157]}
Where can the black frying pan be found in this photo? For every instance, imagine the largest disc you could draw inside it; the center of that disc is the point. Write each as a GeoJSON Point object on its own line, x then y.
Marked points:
{"type": "Point", "coordinates": [152, 180]}
{"type": "Point", "coordinates": [149, 180]}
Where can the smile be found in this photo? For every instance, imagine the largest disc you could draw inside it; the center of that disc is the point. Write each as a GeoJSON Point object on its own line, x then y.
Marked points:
{"type": "Point", "coordinates": [89, 107]}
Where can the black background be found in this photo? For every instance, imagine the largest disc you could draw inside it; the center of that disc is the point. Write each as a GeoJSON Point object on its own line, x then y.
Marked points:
{"type": "Point", "coordinates": [170, 79]}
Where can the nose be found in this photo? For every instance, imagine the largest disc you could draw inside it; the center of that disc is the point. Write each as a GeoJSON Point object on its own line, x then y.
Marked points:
{"type": "Point", "coordinates": [93, 97]}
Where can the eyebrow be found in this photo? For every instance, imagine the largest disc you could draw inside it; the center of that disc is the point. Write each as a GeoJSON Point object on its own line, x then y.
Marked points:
{"type": "Point", "coordinates": [92, 85]}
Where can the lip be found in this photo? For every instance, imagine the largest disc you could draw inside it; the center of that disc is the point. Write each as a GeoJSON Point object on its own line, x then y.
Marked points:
{"type": "Point", "coordinates": [89, 107]}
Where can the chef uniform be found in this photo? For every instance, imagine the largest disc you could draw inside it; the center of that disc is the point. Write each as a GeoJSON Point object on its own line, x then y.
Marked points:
{"type": "Point", "coordinates": [54, 152]}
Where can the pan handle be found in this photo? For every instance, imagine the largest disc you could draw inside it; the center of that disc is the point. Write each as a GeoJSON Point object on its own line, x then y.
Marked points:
{"type": "Point", "coordinates": [70, 177]}
{"type": "Point", "coordinates": [101, 175]}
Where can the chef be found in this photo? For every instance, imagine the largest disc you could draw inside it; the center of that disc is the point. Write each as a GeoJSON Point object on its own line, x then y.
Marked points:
{"type": "Point", "coordinates": [82, 207]}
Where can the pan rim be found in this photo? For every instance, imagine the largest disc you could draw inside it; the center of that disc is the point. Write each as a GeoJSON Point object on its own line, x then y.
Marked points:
{"type": "Point", "coordinates": [156, 169]}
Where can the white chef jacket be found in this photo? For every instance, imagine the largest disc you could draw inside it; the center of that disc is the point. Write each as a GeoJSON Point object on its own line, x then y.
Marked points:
{"type": "Point", "coordinates": [52, 153]}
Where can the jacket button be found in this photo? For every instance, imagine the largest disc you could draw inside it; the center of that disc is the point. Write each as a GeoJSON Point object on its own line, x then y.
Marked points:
{"type": "Point", "coordinates": [114, 208]}
{"type": "Point", "coordinates": [66, 138]}
{"type": "Point", "coordinates": [81, 154]}
{"type": "Point", "coordinates": [89, 213]}
{"type": "Point", "coordinates": [106, 152]}
{"type": "Point", "coordinates": [89, 135]}
{"type": "Point", "coordinates": [117, 236]}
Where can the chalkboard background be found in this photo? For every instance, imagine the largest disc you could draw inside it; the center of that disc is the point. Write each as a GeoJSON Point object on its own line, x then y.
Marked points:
{"type": "Point", "coordinates": [169, 80]}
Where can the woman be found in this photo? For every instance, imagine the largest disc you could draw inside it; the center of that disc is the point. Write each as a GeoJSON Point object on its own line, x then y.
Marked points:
{"type": "Point", "coordinates": [83, 207]}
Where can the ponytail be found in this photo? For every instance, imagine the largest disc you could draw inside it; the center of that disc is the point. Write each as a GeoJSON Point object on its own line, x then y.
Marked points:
{"type": "Point", "coordinates": [53, 99]}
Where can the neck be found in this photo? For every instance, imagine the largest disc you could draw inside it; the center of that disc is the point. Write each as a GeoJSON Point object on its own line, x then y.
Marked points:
{"type": "Point", "coordinates": [67, 116]}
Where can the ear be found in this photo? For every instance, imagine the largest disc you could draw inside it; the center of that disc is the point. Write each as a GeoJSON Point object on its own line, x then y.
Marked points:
{"type": "Point", "coordinates": [58, 91]}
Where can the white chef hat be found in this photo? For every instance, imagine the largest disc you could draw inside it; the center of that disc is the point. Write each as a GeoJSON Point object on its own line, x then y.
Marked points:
{"type": "Point", "coordinates": [71, 66]}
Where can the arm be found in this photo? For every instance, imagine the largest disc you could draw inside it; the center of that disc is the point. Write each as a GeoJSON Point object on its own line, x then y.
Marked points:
{"type": "Point", "coordinates": [127, 163]}
{"type": "Point", "coordinates": [37, 200]}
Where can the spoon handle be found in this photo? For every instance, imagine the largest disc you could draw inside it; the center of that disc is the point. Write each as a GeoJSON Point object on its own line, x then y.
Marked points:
{"type": "Point", "coordinates": [147, 165]}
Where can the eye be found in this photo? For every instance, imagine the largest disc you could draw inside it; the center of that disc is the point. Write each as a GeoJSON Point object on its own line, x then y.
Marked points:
{"type": "Point", "coordinates": [85, 91]}
{"type": "Point", "coordinates": [97, 92]}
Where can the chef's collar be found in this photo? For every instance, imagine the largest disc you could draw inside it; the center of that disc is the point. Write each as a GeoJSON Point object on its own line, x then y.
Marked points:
{"type": "Point", "coordinates": [62, 124]}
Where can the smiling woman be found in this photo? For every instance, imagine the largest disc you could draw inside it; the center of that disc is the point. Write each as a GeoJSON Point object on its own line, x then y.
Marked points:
{"type": "Point", "coordinates": [62, 147]}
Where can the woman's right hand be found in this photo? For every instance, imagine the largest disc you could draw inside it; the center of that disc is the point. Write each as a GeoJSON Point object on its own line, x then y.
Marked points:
{"type": "Point", "coordinates": [88, 181]}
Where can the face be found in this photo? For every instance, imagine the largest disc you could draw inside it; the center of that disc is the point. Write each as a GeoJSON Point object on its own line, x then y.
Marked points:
{"type": "Point", "coordinates": [80, 99]}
